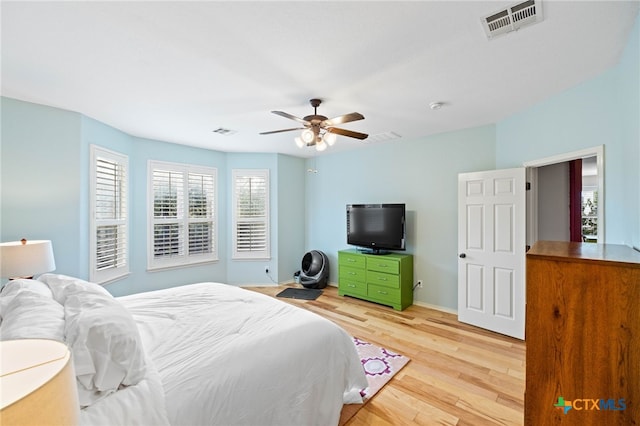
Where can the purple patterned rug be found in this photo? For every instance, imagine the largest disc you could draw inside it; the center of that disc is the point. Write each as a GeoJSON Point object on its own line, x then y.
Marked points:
{"type": "Point", "coordinates": [380, 365]}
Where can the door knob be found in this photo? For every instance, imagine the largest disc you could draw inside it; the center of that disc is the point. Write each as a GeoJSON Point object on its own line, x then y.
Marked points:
{"type": "Point", "coordinates": [462, 255]}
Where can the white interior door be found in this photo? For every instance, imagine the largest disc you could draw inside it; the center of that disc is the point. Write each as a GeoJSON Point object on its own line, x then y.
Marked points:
{"type": "Point", "coordinates": [491, 249]}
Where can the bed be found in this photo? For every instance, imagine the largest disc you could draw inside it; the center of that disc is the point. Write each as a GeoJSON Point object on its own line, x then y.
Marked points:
{"type": "Point", "coordinates": [200, 354]}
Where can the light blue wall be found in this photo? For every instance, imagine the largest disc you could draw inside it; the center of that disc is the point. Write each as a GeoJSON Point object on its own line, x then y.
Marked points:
{"type": "Point", "coordinates": [291, 215]}
{"type": "Point", "coordinates": [252, 271]}
{"type": "Point", "coordinates": [286, 178]}
{"type": "Point", "coordinates": [423, 174]}
{"type": "Point", "coordinates": [42, 144]}
{"type": "Point", "coordinates": [601, 111]}
{"type": "Point", "coordinates": [628, 74]}
{"type": "Point", "coordinates": [45, 195]}
{"type": "Point", "coordinates": [92, 132]}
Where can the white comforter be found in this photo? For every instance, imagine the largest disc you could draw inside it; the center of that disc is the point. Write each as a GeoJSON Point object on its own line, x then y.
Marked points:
{"type": "Point", "coordinates": [227, 356]}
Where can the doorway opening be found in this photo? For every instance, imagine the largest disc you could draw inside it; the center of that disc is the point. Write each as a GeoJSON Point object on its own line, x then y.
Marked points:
{"type": "Point", "coordinates": [550, 209]}
{"type": "Point", "coordinates": [589, 201]}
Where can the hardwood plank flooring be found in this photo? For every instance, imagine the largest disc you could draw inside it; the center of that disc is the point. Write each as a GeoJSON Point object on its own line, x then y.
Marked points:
{"type": "Point", "coordinates": [458, 374]}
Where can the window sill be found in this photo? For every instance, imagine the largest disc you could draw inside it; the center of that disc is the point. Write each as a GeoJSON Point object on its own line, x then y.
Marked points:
{"type": "Point", "coordinates": [180, 266]}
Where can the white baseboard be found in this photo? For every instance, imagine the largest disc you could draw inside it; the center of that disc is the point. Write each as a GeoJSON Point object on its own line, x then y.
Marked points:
{"type": "Point", "coordinates": [436, 307]}
{"type": "Point", "coordinates": [258, 285]}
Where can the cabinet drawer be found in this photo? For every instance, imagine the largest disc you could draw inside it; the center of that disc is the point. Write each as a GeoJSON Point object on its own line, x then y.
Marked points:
{"type": "Point", "coordinates": [349, 259]}
{"type": "Point", "coordinates": [379, 278]}
{"type": "Point", "coordinates": [354, 288]}
{"type": "Point", "coordinates": [352, 274]}
{"type": "Point", "coordinates": [384, 265]}
{"type": "Point", "coordinates": [383, 294]}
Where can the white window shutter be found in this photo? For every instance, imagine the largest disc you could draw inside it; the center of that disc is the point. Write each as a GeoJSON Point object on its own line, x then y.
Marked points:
{"type": "Point", "coordinates": [168, 213]}
{"type": "Point", "coordinates": [251, 214]}
{"type": "Point", "coordinates": [183, 224]}
{"type": "Point", "coordinates": [109, 220]}
{"type": "Point", "coordinates": [201, 201]}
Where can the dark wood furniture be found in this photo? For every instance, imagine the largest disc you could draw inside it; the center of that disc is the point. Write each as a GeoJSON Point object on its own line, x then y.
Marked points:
{"type": "Point", "coordinates": [582, 334]}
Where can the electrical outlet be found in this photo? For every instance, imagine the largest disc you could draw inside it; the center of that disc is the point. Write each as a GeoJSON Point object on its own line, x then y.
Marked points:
{"type": "Point", "coordinates": [419, 283]}
{"type": "Point", "coordinates": [266, 269]}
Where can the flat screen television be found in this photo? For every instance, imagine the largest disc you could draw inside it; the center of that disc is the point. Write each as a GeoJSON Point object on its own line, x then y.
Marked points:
{"type": "Point", "coordinates": [376, 228]}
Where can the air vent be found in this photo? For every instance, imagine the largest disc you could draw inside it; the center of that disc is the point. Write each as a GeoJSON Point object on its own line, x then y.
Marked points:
{"type": "Point", "coordinates": [381, 137]}
{"type": "Point", "coordinates": [224, 132]}
{"type": "Point", "coordinates": [512, 18]}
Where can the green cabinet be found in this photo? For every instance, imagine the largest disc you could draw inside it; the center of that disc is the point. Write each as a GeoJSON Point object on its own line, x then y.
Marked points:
{"type": "Point", "coordinates": [385, 279]}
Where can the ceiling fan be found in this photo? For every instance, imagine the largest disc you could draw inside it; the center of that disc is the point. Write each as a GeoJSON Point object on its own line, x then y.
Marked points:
{"type": "Point", "coordinates": [318, 130]}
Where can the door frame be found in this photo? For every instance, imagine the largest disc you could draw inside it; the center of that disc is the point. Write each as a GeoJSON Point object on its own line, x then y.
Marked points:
{"type": "Point", "coordinates": [532, 195]}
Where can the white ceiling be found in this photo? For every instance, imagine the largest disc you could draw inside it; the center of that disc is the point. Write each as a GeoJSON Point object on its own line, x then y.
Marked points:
{"type": "Point", "coordinates": [175, 71]}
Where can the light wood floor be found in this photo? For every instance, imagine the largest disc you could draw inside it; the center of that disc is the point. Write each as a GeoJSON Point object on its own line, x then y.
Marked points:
{"type": "Point", "coordinates": [458, 374]}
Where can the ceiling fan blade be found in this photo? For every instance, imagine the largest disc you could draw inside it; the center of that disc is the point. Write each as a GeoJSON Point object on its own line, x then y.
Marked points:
{"type": "Point", "coordinates": [283, 130]}
{"type": "Point", "coordinates": [349, 133]}
{"type": "Point", "coordinates": [354, 116]}
{"type": "Point", "coordinates": [291, 117]}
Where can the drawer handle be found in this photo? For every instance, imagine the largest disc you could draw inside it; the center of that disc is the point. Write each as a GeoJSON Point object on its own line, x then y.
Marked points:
{"type": "Point", "coordinates": [382, 292]}
{"type": "Point", "coordinates": [351, 285]}
{"type": "Point", "coordinates": [352, 273]}
{"type": "Point", "coordinates": [382, 279]}
{"type": "Point", "coordinates": [383, 266]}
{"type": "Point", "coordinates": [351, 260]}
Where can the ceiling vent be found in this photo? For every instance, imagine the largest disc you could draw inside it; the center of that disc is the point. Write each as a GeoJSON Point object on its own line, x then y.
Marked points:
{"type": "Point", "coordinates": [224, 132]}
{"type": "Point", "coordinates": [382, 137]}
{"type": "Point", "coordinates": [512, 18]}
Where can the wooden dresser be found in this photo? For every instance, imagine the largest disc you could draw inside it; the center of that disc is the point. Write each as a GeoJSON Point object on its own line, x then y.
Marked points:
{"type": "Point", "coordinates": [386, 279]}
{"type": "Point", "coordinates": [582, 334]}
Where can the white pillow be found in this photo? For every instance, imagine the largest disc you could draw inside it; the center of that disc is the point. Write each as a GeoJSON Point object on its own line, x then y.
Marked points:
{"type": "Point", "coordinates": [103, 337]}
{"type": "Point", "coordinates": [105, 342]}
{"type": "Point", "coordinates": [14, 286]}
{"type": "Point", "coordinates": [58, 284]}
{"type": "Point", "coordinates": [28, 314]}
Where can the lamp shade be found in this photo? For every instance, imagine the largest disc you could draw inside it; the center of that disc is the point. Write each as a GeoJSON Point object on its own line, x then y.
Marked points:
{"type": "Point", "coordinates": [38, 383]}
{"type": "Point", "coordinates": [26, 258]}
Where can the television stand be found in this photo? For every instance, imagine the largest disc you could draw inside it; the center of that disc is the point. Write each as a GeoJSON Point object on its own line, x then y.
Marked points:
{"type": "Point", "coordinates": [387, 280]}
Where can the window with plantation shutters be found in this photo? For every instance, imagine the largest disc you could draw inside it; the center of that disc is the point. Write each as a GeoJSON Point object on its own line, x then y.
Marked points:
{"type": "Point", "coordinates": [182, 204]}
{"type": "Point", "coordinates": [109, 236]}
{"type": "Point", "coordinates": [250, 214]}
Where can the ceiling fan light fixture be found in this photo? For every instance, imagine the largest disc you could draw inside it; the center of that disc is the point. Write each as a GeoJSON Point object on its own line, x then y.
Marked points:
{"type": "Point", "coordinates": [318, 130]}
{"type": "Point", "coordinates": [307, 136]}
{"type": "Point", "coordinates": [329, 138]}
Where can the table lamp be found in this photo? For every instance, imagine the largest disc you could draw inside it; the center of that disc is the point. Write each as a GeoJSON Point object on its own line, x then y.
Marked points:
{"type": "Point", "coordinates": [38, 384]}
{"type": "Point", "coordinates": [24, 259]}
